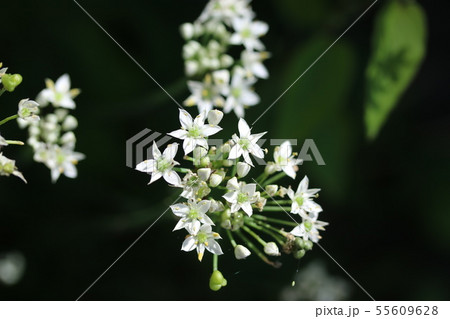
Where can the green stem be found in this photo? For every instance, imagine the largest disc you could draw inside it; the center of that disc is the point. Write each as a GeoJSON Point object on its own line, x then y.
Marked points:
{"type": "Point", "coordinates": [11, 142]}
{"type": "Point", "coordinates": [180, 169]}
{"type": "Point", "coordinates": [261, 178]}
{"type": "Point", "coordinates": [281, 202]}
{"type": "Point", "coordinates": [2, 91]}
{"type": "Point", "coordinates": [274, 220]}
{"type": "Point", "coordinates": [234, 169]}
{"type": "Point", "coordinates": [268, 226]}
{"type": "Point", "coordinates": [276, 208]}
{"type": "Point", "coordinates": [215, 262]}
{"type": "Point", "coordinates": [230, 236]}
{"type": "Point", "coordinates": [13, 117]}
{"type": "Point", "coordinates": [274, 179]}
{"type": "Point", "coordinates": [265, 230]}
{"type": "Point", "coordinates": [254, 235]}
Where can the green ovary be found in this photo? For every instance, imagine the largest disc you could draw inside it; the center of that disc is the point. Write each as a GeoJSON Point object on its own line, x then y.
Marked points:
{"type": "Point", "coordinates": [299, 201]}
{"type": "Point", "coordinates": [244, 143]}
{"type": "Point", "coordinates": [236, 92]}
{"type": "Point", "coordinates": [308, 225]}
{"type": "Point", "coordinates": [202, 238]}
{"type": "Point", "coordinates": [193, 214]}
{"type": "Point", "coordinates": [194, 132]}
{"type": "Point", "coordinates": [162, 165]}
{"type": "Point", "coordinates": [242, 198]}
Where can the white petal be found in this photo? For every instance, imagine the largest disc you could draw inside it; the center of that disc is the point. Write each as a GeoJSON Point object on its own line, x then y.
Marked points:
{"type": "Point", "coordinates": [239, 111]}
{"type": "Point", "coordinates": [180, 225]}
{"type": "Point", "coordinates": [250, 98]}
{"type": "Point", "coordinates": [260, 70]}
{"type": "Point", "coordinates": [188, 145]}
{"type": "Point", "coordinates": [147, 166]}
{"type": "Point", "coordinates": [247, 208]}
{"type": "Point", "coordinates": [185, 119]}
{"type": "Point", "coordinates": [155, 177]}
{"type": "Point", "coordinates": [171, 151]}
{"type": "Point", "coordinates": [214, 247]}
{"type": "Point", "coordinates": [259, 28]}
{"type": "Point", "coordinates": [230, 197]}
{"type": "Point", "coordinates": [247, 159]}
{"type": "Point", "coordinates": [155, 151]}
{"type": "Point", "coordinates": [62, 85]}
{"type": "Point", "coordinates": [235, 152]}
{"type": "Point", "coordinates": [67, 103]}
{"type": "Point", "coordinates": [180, 210]}
{"type": "Point", "coordinates": [181, 134]}
{"type": "Point", "coordinates": [204, 206]}
{"type": "Point", "coordinates": [188, 244]}
{"type": "Point", "coordinates": [209, 130]}
{"type": "Point", "coordinates": [172, 178]}
{"type": "Point", "coordinates": [303, 186]}
{"type": "Point", "coordinates": [244, 129]}
{"type": "Point", "coordinates": [289, 170]}
{"type": "Point", "coordinates": [298, 231]}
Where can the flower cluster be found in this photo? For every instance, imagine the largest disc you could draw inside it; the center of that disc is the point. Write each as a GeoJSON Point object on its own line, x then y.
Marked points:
{"type": "Point", "coordinates": [52, 138]}
{"type": "Point", "coordinates": [221, 196]}
{"type": "Point", "coordinates": [219, 79]}
{"type": "Point", "coordinates": [27, 111]}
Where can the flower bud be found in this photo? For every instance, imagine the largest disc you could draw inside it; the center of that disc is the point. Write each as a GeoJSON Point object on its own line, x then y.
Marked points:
{"type": "Point", "coordinates": [299, 253]}
{"type": "Point", "coordinates": [241, 252]}
{"type": "Point", "coordinates": [270, 168]}
{"type": "Point", "coordinates": [271, 190]}
{"type": "Point", "coordinates": [271, 249]}
{"type": "Point", "coordinates": [308, 245]}
{"type": "Point", "coordinates": [214, 117]}
{"type": "Point", "coordinates": [215, 180]}
{"type": "Point", "coordinates": [226, 61]}
{"type": "Point", "coordinates": [11, 81]}
{"type": "Point", "coordinates": [70, 123]}
{"type": "Point", "coordinates": [225, 148]}
{"type": "Point", "coordinates": [227, 163]}
{"type": "Point", "coordinates": [282, 192]}
{"type": "Point", "coordinates": [199, 152]}
{"type": "Point", "coordinates": [191, 67]}
{"type": "Point", "coordinates": [203, 190]}
{"type": "Point", "coordinates": [216, 206]}
{"type": "Point", "coordinates": [243, 169]}
{"type": "Point", "coordinates": [187, 31]}
{"type": "Point", "coordinates": [68, 138]}
{"type": "Point", "coordinates": [205, 161]}
{"type": "Point", "coordinates": [204, 173]}
{"type": "Point", "coordinates": [217, 281]}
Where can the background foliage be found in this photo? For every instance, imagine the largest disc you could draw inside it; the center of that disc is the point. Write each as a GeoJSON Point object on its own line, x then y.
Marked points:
{"type": "Point", "coordinates": [386, 199]}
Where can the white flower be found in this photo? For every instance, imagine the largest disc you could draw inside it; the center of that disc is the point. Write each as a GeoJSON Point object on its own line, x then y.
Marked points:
{"type": "Point", "coordinates": [271, 190]}
{"type": "Point", "coordinates": [309, 228]}
{"type": "Point", "coordinates": [302, 198]}
{"type": "Point", "coordinates": [207, 94]}
{"type": "Point", "coordinates": [193, 186]}
{"type": "Point", "coordinates": [226, 10]}
{"type": "Point", "coordinates": [27, 110]}
{"type": "Point", "coordinates": [162, 165]}
{"type": "Point", "coordinates": [252, 63]}
{"type": "Point", "coordinates": [284, 160]}
{"type": "Point", "coordinates": [215, 180]}
{"type": "Point", "coordinates": [60, 160]}
{"type": "Point", "coordinates": [271, 249]}
{"type": "Point", "coordinates": [192, 214]}
{"type": "Point", "coordinates": [240, 93]}
{"type": "Point", "coordinates": [241, 195]}
{"type": "Point", "coordinates": [241, 252]}
{"type": "Point", "coordinates": [70, 123]}
{"type": "Point", "coordinates": [194, 132]}
{"type": "Point", "coordinates": [248, 33]}
{"type": "Point", "coordinates": [202, 238]}
{"type": "Point", "coordinates": [8, 167]}
{"type": "Point", "coordinates": [59, 93]}
{"type": "Point", "coordinates": [246, 144]}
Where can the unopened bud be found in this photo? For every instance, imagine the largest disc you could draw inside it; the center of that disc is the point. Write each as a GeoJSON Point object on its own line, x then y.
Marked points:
{"type": "Point", "coordinates": [204, 173]}
{"type": "Point", "coordinates": [187, 31]}
{"type": "Point", "coordinates": [271, 190]}
{"type": "Point", "coordinates": [217, 281]}
{"type": "Point", "coordinates": [215, 180]}
{"type": "Point", "coordinates": [11, 81]}
{"type": "Point", "coordinates": [214, 117]}
{"type": "Point", "coordinates": [270, 168]}
{"type": "Point", "coordinates": [241, 252]}
{"type": "Point", "coordinates": [271, 249]}
{"type": "Point", "coordinates": [243, 169]}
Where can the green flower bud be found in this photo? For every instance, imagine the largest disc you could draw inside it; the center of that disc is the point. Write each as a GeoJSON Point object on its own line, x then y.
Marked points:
{"type": "Point", "coordinates": [217, 281]}
{"type": "Point", "coordinates": [299, 254]}
{"type": "Point", "coordinates": [205, 161]}
{"type": "Point", "coordinates": [308, 245]}
{"type": "Point", "coordinates": [11, 81]}
{"type": "Point", "coordinates": [299, 243]}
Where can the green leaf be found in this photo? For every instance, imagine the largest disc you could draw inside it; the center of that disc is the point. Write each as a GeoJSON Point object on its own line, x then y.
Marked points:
{"type": "Point", "coordinates": [399, 44]}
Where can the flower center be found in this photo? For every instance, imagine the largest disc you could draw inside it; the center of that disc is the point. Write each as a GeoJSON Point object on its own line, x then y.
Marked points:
{"type": "Point", "coordinates": [236, 92]}
{"type": "Point", "coordinates": [242, 198]}
{"type": "Point", "coordinates": [202, 238]}
{"type": "Point", "coordinates": [193, 214]}
{"type": "Point", "coordinates": [299, 201]}
{"type": "Point", "coordinates": [58, 96]}
{"type": "Point", "coordinates": [162, 164]}
{"type": "Point", "coordinates": [194, 132]}
{"type": "Point", "coordinates": [244, 143]}
{"type": "Point", "coordinates": [246, 33]}
{"type": "Point", "coordinates": [60, 158]}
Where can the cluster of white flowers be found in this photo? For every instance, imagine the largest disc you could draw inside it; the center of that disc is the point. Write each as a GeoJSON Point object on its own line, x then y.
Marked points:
{"type": "Point", "coordinates": [27, 111]}
{"type": "Point", "coordinates": [52, 138]}
{"type": "Point", "coordinates": [218, 78]}
{"type": "Point", "coordinates": [220, 199]}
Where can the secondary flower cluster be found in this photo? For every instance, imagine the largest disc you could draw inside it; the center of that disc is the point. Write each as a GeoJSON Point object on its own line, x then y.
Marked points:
{"type": "Point", "coordinates": [219, 198]}
{"type": "Point", "coordinates": [52, 138]}
{"type": "Point", "coordinates": [26, 112]}
{"type": "Point", "coordinates": [218, 78]}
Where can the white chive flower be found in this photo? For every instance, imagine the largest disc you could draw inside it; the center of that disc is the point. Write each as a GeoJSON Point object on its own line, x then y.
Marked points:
{"type": "Point", "coordinates": [162, 165]}
{"type": "Point", "coordinates": [200, 239]}
{"type": "Point", "coordinates": [285, 161]}
{"type": "Point", "coordinates": [302, 199]}
{"type": "Point", "coordinates": [246, 144]}
{"type": "Point", "coordinates": [8, 167]}
{"type": "Point", "coordinates": [194, 132]}
{"type": "Point", "coordinates": [241, 196]}
{"type": "Point", "coordinates": [27, 110]}
{"type": "Point", "coordinates": [192, 214]}
{"type": "Point", "coordinates": [59, 94]}
{"type": "Point", "coordinates": [226, 10]}
{"type": "Point", "coordinates": [60, 160]}
{"type": "Point", "coordinates": [252, 63]}
{"type": "Point", "coordinates": [309, 228]}
{"type": "Point", "coordinates": [240, 93]}
{"type": "Point", "coordinates": [248, 32]}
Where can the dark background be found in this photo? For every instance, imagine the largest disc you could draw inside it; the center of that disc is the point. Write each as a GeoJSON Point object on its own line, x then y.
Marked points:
{"type": "Point", "coordinates": [386, 200]}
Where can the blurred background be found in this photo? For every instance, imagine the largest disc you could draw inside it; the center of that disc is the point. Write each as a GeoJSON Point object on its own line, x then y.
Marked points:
{"type": "Point", "coordinates": [385, 196]}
